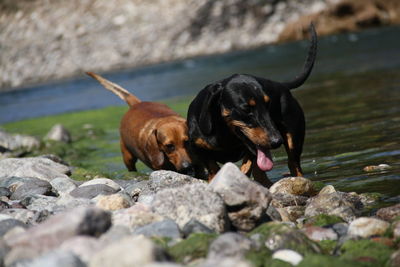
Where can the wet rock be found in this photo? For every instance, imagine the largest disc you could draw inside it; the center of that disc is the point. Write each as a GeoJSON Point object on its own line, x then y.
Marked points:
{"type": "Point", "coordinates": [12, 142]}
{"type": "Point", "coordinates": [59, 133]}
{"type": "Point", "coordinates": [276, 236]}
{"type": "Point", "coordinates": [135, 216]}
{"type": "Point", "coordinates": [288, 255]}
{"type": "Point", "coordinates": [280, 200]}
{"type": "Point", "coordinates": [57, 258]}
{"type": "Point", "coordinates": [389, 213]}
{"type": "Point", "coordinates": [102, 181]}
{"type": "Point", "coordinates": [195, 201]}
{"type": "Point", "coordinates": [230, 245]}
{"type": "Point", "coordinates": [166, 228]}
{"type": "Point", "coordinates": [370, 199]}
{"type": "Point", "coordinates": [31, 186]}
{"type": "Point", "coordinates": [113, 202]}
{"type": "Point", "coordinates": [40, 168]}
{"type": "Point", "coordinates": [8, 224]}
{"type": "Point", "coordinates": [82, 246]}
{"type": "Point", "coordinates": [91, 191]}
{"type": "Point", "coordinates": [319, 233]}
{"type": "Point", "coordinates": [63, 185]}
{"type": "Point", "coordinates": [246, 200]}
{"type": "Point", "coordinates": [373, 168]}
{"type": "Point", "coordinates": [129, 251]}
{"type": "Point", "coordinates": [338, 203]}
{"type": "Point", "coordinates": [194, 226]}
{"type": "Point", "coordinates": [54, 231]}
{"type": "Point", "coordinates": [366, 227]}
{"type": "Point", "coordinates": [294, 186]}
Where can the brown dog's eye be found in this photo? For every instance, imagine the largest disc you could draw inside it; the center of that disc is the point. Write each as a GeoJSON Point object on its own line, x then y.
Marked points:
{"type": "Point", "coordinates": [170, 148]}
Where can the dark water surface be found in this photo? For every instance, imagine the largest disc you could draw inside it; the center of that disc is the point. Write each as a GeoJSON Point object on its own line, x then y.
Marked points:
{"type": "Point", "coordinates": [351, 102]}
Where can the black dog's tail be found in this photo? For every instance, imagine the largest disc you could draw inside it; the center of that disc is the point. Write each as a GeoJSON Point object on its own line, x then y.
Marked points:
{"type": "Point", "coordinates": [312, 53]}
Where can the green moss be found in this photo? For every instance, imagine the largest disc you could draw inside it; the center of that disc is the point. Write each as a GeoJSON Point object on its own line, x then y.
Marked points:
{"type": "Point", "coordinates": [194, 247]}
{"type": "Point", "coordinates": [328, 246]}
{"type": "Point", "coordinates": [368, 252]}
{"type": "Point", "coordinates": [318, 185]}
{"type": "Point", "coordinates": [313, 260]}
{"type": "Point", "coordinates": [259, 258]}
{"type": "Point", "coordinates": [323, 220]}
{"type": "Point", "coordinates": [161, 241]}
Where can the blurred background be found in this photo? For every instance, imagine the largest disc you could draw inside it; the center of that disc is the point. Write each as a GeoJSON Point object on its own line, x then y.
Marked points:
{"type": "Point", "coordinates": [171, 49]}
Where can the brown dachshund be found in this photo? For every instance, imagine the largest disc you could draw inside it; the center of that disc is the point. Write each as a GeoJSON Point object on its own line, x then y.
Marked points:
{"type": "Point", "coordinates": [151, 132]}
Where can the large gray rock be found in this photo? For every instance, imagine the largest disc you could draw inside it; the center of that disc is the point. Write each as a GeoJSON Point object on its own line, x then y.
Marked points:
{"type": "Point", "coordinates": [31, 186]}
{"type": "Point", "coordinates": [344, 205]}
{"type": "Point", "coordinates": [41, 168]}
{"type": "Point", "coordinates": [58, 228]}
{"type": "Point", "coordinates": [102, 181]}
{"type": "Point", "coordinates": [195, 201]}
{"type": "Point", "coordinates": [159, 180]}
{"type": "Point", "coordinates": [129, 251]}
{"type": "Point", "coordinates": [91, 191]}
{"type": "Point", "coordinates": [246, 200]}
{"type": "Point", "coordinates": [8, 224]}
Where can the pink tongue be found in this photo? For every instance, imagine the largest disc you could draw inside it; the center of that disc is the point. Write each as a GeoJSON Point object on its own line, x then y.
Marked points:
{"type": "Point", "coordinates": [264, 162]}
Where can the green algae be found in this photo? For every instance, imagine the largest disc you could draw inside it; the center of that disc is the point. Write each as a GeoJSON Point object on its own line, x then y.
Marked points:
{"type": "Point", "coordinates": [314, 260]}
{"type": "Point", "coordinates": [323, 220]}
{"type": "Point", "coordinates": [194, 247]}
{"type": "Point", "coordinates": [367, 252]}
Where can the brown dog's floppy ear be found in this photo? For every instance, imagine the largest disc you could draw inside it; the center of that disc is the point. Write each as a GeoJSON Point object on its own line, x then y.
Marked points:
{"type": "Point", "coordinates": [212, 94]}
{"type": "Point", "coordinates": [153, 151]}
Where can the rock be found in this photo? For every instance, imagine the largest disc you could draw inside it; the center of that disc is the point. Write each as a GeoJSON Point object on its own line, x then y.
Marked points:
{"type": "Point", "coordinates": [63, 185]}
{"type": "Point", "coordinates": [194, 226]}
{"type": "Point", "coordinates": [56, 258]}
{"type": "Point", "coordinates": [8, 224]}
{"type": "Point", "coordinates": [291, 213]}
{"type": "Point", "coordinates": [24, 215]}
{"type": "Point", "coordinates": [91, 191]}
{"type": "Point", "coordinates": [82, 246]}
{"type": "Point", "coordinates": [159, 180]}
{"type": "Point", "coordinates": [129, 251]}
{"type": "Point", "coordinates": [195, 201]}
{"type": "Point", "coordinates": [40, 202]}
{"type": "Point", "coordinates": [319, 233]}
{"type": "Point", "coordinates": [298, 186]}
{"type": "Point", "coordinates": [230, 245]}
{"type": "Point", "coordinates": [280, 200]}
{"type": "Point", "coordinates": [341, 229]}
{"type": "Point", "coordinates": [135, 216]}
{"type": "Point", "coordinates": [4, 205]}
{"type": "Point", "coordinates": [115, 233]}
{"type": "Point", "coordinates": [288, 255]}
{"type": "Point", "coordinates": [59, 133]}
{"type": "Point", "coordinates": [102, 181]}
{"type": "Point", "coordinates": [396, 229]}
{"type": "Point", "coordinates": [4, 192]}
{"type": "Point", "coordinates": [40, 168]}
{"type": "Point", "coordinates": [246, 200]}
{"type": "Point", "coordinates": [323, 220]}
{"type": "Point", "coordinates": [328, 189]}
{"type": "Point", "coordinates": [337, 203]}
{"type": "Point", "coordinates": [166, 228]}
{"type": "Point", "coordinates": [276, 236]}
{"type": "Point", "coordinates": [366, 227]}
{"type": "Point", "coordinates": [54, 231]}
{"type": "Point", "coordinates": [389, 213]}
{"type": "Point", "coordinates": [373, 168]}
{"type": "Point", "coordinates": [13, 142]}
{"type": "Point", "coordinates": [273, 213]}
{"type": "Point", "coordinates": [31, 186]}
{"type": "Point", "coordinates": [113, 202]}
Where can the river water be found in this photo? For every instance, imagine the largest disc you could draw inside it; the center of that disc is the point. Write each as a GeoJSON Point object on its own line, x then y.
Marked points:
{"type": "Point", "coordinates": [351, 101]}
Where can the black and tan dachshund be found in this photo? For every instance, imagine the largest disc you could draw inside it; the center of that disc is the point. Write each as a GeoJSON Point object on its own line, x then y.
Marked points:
{"type": "Point", "coordinates": [244, 117]}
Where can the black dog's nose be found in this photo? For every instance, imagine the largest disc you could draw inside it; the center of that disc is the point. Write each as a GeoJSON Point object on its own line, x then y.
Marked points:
{"type": "Point", "coordinates": [187, 168]}
{"type": "Point", "coordinates": [275, 142]}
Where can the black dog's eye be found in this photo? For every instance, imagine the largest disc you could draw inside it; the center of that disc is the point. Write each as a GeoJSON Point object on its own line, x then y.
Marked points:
{"type": "Point", "coordinates": [170, 147]}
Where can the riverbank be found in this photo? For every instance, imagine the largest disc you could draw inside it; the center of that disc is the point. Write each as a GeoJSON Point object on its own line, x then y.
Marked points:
{"type": "Point", "coordinates": [46, 40]}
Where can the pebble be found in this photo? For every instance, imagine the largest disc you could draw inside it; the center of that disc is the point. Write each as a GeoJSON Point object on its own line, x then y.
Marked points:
{"type": "Point", "coordinates": [288, 255]}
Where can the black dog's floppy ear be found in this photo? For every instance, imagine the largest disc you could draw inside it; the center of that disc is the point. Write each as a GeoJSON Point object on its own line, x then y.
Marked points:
{"type": "Point", "coordinates": [212, 93]}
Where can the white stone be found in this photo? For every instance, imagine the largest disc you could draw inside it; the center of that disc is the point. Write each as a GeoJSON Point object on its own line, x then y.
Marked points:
{"type": "Point", "coordinates": [288, 255]}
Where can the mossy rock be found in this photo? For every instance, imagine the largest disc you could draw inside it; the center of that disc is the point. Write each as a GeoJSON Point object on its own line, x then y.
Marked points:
{"type": "Point", "coordinates": [194, 247]}
{"type": "Point", "coordinates": [367, 252]}
{"type": "Point", "coordinates": [314, 260]}
{"type": "Point", "coordinates": [281, 236]}
{"type": "Point", "coordinates": [323, 220]}
{"type": "Point", "coordinates": [328, 246]}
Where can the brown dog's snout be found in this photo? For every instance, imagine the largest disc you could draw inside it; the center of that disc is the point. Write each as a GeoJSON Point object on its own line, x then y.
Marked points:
{"type": "Point", "coordinates": [187, 168]}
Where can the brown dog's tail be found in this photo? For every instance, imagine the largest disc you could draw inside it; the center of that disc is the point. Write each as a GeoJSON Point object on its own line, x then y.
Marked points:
{"type": "Point", "coordinates": [116, 89]}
